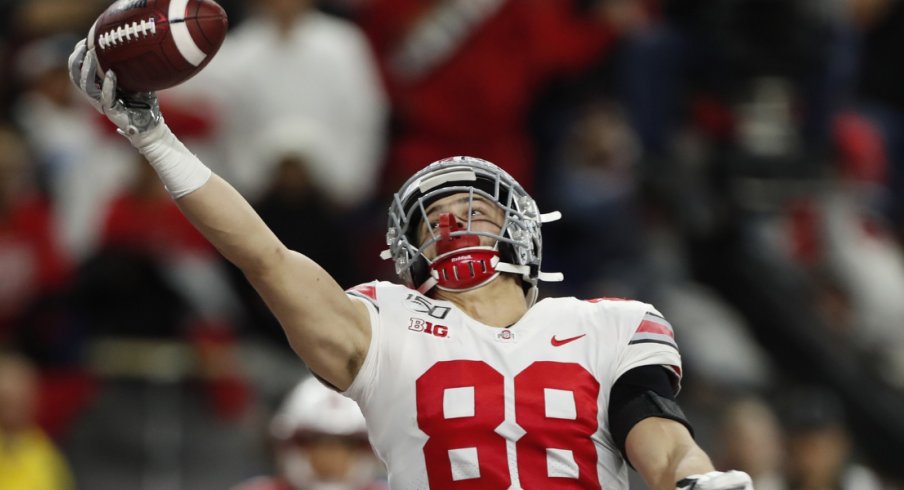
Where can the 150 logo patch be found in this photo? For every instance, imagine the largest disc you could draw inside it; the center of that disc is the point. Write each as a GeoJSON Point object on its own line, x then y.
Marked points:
{"type": "Point", "coordinates": [420, 304]}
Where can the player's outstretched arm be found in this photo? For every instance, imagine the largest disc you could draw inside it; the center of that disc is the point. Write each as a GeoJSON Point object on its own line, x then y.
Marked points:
{"type": "Point", "coordinates": [666, 456]}
{"type": "Point", "coordinates": [327, 329]}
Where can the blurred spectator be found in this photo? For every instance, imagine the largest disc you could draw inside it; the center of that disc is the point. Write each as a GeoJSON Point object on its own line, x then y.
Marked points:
{"type": "Point", "coordinates": [31, 264]}
{"type": "Point", "coordinates": [34, 312]}
{"type": "Point", "coordinates": [28, 458]}
{"type": "Point", "coordinates": [288, 60]}
{"type": "Point", "coordinates": [321, 444]}
{"type": "Point", "coordinates": [836, 232]}
{"type": "Point", "coordinates": [145, 220]}
{"type": "Point", "coordinates": [296, 202]}
{"type": "Point", "coordinates": [750, 438]}
{"type": "Point", "coordinates": [300, 212]}
{"type": "Point", "coordinates": [707, 55]}
{"type": "Point", "coordinates": [819, 450]}
{"type": "Point", "coordinates": [48, 109]}
{"type": "Point", "coordinates": [154, 276]}
{"type": "Point", "coordinates": [124, 288]}
{"type": "Point", "coordinates": [595, 185]}
{"type": "Point", "coordinates": [79, 160]}
{"type": "Point", "coordinates": [721, 351]}
{"type": "Point", "coordinates": [615, 244]}
{"type": "Point", "coordinates": [879, 30]}
{"type": "Point", "coordinates": [464, 74]}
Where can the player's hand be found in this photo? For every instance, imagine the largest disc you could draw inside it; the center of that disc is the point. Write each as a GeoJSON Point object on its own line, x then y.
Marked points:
{"type": "Point", "coordinates": [716, 480]}
{"type": "Point", "coordinates": [137, 117]}
{"type": "Point", "coordinates": [134, 114]}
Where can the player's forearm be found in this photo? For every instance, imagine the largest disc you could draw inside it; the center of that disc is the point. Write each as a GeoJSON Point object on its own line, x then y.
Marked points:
{"type": "Point", "coordinates": [689, 460]}
{"type": "Point", "coordinates": [222, 215]}
{"type": "Point", "coordinates": [226, 219]}
{"type": "Point", "coordinates": [681, 461]}
{"type": "Point", "coordinates": [663, 452]}
{"type": "Point", "coordinates": [327, 329]}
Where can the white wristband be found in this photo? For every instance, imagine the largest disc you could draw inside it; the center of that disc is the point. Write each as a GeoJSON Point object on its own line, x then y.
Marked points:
{"type": "Point", "coordinates": [178, 168]}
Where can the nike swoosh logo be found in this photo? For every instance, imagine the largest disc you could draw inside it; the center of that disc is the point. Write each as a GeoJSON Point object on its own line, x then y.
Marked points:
{"type": "Point", "coordinates": [557, 343]}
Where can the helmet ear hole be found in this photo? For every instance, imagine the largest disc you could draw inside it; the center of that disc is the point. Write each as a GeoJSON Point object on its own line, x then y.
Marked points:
{"type": "Point", "coordinates": [507, 253]}
{"type": "Point", "coordinates": [420, 271]}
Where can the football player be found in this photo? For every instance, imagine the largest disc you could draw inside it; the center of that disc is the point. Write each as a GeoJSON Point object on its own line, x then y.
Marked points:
{"type": "Point", "coordinates": [321, 444]}
{"type": "Point", "coordinates": [465, 381]}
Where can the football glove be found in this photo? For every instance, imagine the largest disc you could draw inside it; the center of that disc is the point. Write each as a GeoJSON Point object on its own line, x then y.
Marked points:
{"type": "Point", "coordinates": [137, 117]}
{"type": "Point", "coordinates": [716, 480]}
{"type": "Point", "coordinates": [133, 114]}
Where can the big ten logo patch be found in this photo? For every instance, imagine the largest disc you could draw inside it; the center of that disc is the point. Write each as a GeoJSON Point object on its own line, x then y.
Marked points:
{"type": "Point", "coordinates": [429, 328]}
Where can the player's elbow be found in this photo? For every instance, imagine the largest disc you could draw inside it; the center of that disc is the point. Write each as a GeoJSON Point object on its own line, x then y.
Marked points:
{"type": "Point", "coordinates": [334, 362]}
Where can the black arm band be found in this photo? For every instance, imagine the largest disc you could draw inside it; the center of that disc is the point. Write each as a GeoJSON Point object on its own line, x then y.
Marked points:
{"type": "Point", "coordinates": [638, 394]}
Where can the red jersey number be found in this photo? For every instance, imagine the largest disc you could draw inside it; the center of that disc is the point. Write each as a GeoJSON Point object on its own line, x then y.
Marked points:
{"type": "Point", "coordinates": [475, 431]}
{"type": "Point", "coordinates": [556, 451]}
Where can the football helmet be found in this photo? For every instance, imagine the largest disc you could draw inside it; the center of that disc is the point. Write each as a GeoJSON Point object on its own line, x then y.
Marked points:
{"type": "Point", "coordinates": [310, 415]}
{"type": "Point", "coordinates": [461, 262]}
{"type": "Point", "coordinates": [313, 409]}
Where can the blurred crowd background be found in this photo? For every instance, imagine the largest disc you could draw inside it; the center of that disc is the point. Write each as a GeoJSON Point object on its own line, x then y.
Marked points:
{"type": "Point", "coordinates": [737, 163]}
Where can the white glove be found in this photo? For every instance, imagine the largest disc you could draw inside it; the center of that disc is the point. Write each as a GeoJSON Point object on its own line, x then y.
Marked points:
{"type": "Point", "coordinates": [137, 117]}
{"type": "Point", "coordinates": [717, 480]}
{"type": "Point", "coordinates": [133, 113]}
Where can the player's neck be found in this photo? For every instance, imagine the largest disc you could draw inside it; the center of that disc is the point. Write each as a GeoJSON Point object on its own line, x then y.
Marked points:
{"type": "Point", "coordinates": [500, 303]}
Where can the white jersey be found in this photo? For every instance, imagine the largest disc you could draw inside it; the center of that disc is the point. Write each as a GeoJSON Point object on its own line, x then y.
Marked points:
{"type": "Point", "coordinates": [452, 403]}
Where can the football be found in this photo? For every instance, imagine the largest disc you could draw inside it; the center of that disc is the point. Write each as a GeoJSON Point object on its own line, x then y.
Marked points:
{"type": "Point", "coordinates": [156, 44]}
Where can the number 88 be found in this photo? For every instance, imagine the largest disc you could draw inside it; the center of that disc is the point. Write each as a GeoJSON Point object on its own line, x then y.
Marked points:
{"type": "Point", "coordinates": [549, 436]}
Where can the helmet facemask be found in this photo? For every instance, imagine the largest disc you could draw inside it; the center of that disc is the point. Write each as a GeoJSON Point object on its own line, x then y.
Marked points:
{"type": "Point", "coordinates": [461, 262]}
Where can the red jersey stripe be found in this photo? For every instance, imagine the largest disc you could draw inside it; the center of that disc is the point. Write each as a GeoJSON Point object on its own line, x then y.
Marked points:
{"type": "Point", "coordinates": [366, 290]}
{"type": "Point", "coordinates": [648, 326]}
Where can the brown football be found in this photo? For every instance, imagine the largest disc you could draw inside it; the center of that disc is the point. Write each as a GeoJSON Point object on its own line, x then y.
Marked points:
{"type": "Point", "coordinates": [156, 44]}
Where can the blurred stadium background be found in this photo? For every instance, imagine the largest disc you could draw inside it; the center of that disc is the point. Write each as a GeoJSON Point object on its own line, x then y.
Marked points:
{"type": "Point", "coordinates": [737, 163]}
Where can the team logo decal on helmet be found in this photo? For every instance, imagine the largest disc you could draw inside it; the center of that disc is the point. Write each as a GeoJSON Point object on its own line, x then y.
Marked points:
{"type": "Point", "coordinates": [461, 262]}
